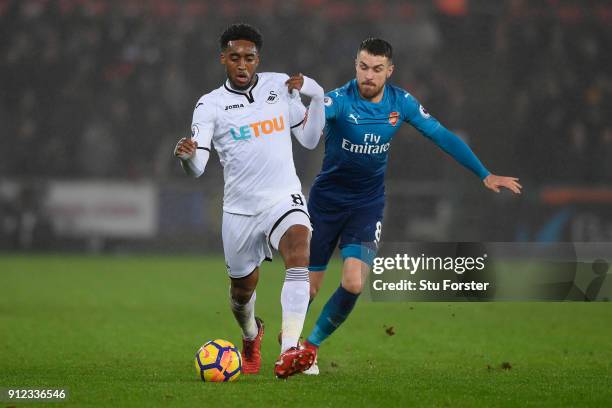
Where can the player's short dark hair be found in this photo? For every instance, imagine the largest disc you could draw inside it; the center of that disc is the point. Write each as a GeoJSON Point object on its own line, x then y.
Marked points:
{"type": "Point", "coordinates": [241, 32]}
{"type": "Point", "coordinates": [376, 46]}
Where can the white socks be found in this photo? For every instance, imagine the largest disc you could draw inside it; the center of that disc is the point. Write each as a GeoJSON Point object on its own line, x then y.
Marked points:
{"type": "Point", "coordinates": [245, 316]}
{"type": "Point", "coordinates": [294, 300]}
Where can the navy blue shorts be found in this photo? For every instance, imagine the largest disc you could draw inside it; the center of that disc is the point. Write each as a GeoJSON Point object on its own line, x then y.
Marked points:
{"type": "Point", "coordinates": [357, 230]}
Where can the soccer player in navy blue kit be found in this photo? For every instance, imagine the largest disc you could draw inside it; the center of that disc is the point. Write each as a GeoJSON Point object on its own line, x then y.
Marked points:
{"type": "Point", "coordinates": [347, 199]}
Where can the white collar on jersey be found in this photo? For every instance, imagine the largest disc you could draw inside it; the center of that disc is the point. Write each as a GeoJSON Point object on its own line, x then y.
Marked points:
{"type": "Point", "coordinates": [247, 93]}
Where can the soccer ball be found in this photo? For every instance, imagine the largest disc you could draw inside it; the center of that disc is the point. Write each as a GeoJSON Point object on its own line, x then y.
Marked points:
{"type": "Point", "coordinates": [218, 361]}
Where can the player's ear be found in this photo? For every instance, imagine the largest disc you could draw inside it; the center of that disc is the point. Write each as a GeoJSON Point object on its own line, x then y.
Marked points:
{"type": "Point", "coordinates": [390, 70]}
{"type": "Point", "coordinates": [222, 58]}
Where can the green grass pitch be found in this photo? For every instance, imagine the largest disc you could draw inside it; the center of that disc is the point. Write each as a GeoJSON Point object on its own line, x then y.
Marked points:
{"type": "Point", "coordinates": [122, 331]}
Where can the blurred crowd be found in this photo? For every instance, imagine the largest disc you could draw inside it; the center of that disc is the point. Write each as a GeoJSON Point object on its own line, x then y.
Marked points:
{"type": "Point", "coordinates": [561, 88]}
{"type": "Point", "coordinates": [104, 88]}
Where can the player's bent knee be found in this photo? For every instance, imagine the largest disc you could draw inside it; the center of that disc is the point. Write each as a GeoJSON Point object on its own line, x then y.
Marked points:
{"type": "Point", "coordinates": [353, 285]}
{"type": "Point", "coordinates": [296, 259]}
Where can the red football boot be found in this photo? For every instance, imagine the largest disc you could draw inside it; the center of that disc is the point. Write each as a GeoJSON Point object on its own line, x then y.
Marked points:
{"type": "Point", "coordinates": [251, 350]}
{"type": "Point", "coordinates": [314, 368]}
{"type": "Point", "coordinates": [293, 361]}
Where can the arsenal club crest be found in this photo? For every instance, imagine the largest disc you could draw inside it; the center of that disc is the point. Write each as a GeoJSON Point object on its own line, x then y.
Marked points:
{"type": "Point", "coordinates": [393, 118]}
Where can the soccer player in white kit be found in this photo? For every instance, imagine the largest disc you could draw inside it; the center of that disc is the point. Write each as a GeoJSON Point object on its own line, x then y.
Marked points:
{"type": "Point", "coordinates": [249, 120]}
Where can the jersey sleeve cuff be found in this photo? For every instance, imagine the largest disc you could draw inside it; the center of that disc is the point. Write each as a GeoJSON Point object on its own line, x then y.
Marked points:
{"type": "Point", "coordinates": [312, 89]}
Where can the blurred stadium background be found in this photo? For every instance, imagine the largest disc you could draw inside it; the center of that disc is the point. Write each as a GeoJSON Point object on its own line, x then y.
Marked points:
{"type": "Point", "coordinates": [95, 93]}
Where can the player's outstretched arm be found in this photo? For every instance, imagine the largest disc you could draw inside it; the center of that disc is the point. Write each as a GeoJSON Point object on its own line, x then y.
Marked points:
{"type": "Point", "coordinates": [309, 132]}
{"type": "Point", "coordinates": [460, 151]}
{"type": "Point", "coordinates": [452, 144]}
{"type": "Point", "coordinates": [494, 182]}
{"type": "Point", "coordinates": [193, 160]}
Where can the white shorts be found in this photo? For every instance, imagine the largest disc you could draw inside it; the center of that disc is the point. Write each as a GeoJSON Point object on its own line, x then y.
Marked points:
{"type": "Point", "coordinates": [247, 238]}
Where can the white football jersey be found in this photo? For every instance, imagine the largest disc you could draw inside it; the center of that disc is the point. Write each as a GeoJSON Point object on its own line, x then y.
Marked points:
{"type": "Point", "coordinates": [251, 132]}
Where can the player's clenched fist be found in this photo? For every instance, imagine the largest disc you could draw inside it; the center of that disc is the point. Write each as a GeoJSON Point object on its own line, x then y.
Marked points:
{"type": "Point", "coordinates": [295, 82]}
{"type": "Point", "coordinates": [305, 86]}
{"type": "Point", "coordinates": [185, 148]}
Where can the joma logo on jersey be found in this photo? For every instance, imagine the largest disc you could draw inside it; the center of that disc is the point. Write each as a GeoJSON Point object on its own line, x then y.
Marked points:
{"type": "Point", "coordinates": [257, 129]}
{"type": "Point", "coordinates": [239, 105]}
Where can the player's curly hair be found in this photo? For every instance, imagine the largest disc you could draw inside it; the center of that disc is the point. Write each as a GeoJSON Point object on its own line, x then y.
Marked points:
{"type": "Point", "coordinates": [241, 32]}
{"type": "Point", "coordinates": [376, 46]}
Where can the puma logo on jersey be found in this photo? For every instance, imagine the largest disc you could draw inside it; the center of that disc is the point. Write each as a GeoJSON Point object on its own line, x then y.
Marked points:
{"type": "Point", "coordinates": [236, 106]}
{"type": "Point", "coordinates": [352, 116]}
{"type": "Point", "coordinates": [257, 129]}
